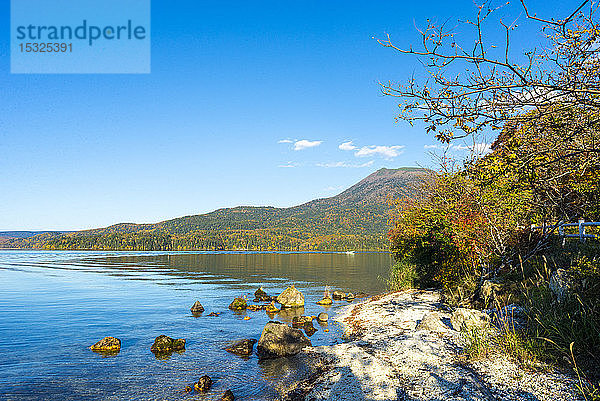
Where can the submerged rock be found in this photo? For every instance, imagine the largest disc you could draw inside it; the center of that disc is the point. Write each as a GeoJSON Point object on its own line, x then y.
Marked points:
{"type": "Point", "coordinates": [227, 396]}
{"type": "Point", "coordinates": [322, 317]}
{"type": "Point", "coordinates": [325, 301]}
{"type": "Point", "coordinates": [261, 296]}
{"type": "Point", "coordinates": [279, 340]}
{"type": "Point", "coordinates": [337, 295]}
{"type": "Point", "coordinates": [107, 344]}
{"type": "Point", "coordinates": [291, 298]}
{"type": "Point", "coordinates": [463, 319]}
{"type": "Point", "coordinates": [165, 344]}
{"type": "Point", "coordinates": [197, 308]}
{"type": "Point", "coordinates": [238, 304]}
{"type": "Point", "coordinates": [203, 385]}
{"type": "Point", "coordinates": [288, 314]}
{"type": "Point", "coordinates": [242, 347]}
{"type": "Point", "coordinates": [212, 314]}
{"type": "Point", "coordinates": [299, 321]}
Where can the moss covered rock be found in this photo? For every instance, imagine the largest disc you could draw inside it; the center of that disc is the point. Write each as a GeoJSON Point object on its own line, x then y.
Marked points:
{"type": "Point", "coordinates": [164, 344]}
{"type": "Point", "coordinates": [238, 304]}
{"type": "Point", "coordinates": [107, 344]}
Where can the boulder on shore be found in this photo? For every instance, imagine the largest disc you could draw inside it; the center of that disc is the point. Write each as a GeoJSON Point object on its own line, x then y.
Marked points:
{"type": "Point", "coordinates": [197, 308]}
{"type": "Point", "coordinates": [107, 344]}
{"type": "Point", "coordinates": [291, 298]}
{"type": "Point", "coordinates": [432, 321]}
{"type": "Point", "coordinates": [280, 340]}
{"type": "Point", "coordinates": [561, 284]}
{"type": "Point", "coordinates": [164, 344]}
{"type": "Point", "coordinates": [242, 347]}
{"type": "Point", "coordinates": [325, 301]}
{"type": "Point", "coordinates": [337, 295]}
{"type": "Point", "coordinates": [238, 304]}
{"type": "Point", "coordinates": [464, 319]}
{"type": "Point", "coordinates": [203, 385]}
{"type": "Point", "coordinates": [261, 296]}
{"type": "Point", "coordinates": [227, 396]}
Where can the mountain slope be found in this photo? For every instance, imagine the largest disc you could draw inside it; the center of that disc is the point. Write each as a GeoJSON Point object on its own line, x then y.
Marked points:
{"type": "Point", "coordinates": [354, 219]}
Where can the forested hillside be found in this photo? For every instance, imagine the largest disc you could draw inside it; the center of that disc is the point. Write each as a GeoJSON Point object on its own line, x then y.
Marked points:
{"type": "Point", "coordinates": [356, 219]}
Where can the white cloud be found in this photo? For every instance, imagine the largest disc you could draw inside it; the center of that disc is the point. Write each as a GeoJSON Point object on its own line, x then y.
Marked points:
{"type": "Point", "coordinates": [385, 151]}
{"type": "Point", "coordinates": [288, 165]}
{"type": "Point", "coordinates": [285, 141]}
{"type": "Point", "coordinates": [347, 146]}
{"type": "Point", "coordinates": [478, 148]}
{"type": "Point", "coordinates": [483, 148]}
{"type": "Point", "coordinates": [344, 164]}
{"type": "Point", "coordinates": [305, 144]}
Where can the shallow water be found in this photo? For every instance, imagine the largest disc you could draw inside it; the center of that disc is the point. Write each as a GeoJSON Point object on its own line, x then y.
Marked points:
{"type": "Point", "coordinates": [54, 305]}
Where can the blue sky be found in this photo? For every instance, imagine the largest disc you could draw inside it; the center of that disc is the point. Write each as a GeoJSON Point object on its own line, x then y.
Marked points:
{"type": "Point", "coordinates": [247, 104]}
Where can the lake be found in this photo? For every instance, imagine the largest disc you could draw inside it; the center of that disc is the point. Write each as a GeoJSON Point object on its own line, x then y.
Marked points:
{"type": "Point", "coordinates": [54, 305]}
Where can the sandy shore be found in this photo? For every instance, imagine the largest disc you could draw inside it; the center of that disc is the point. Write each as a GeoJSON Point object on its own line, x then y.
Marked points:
{"type": "Point", "coordinates": [387, 358]}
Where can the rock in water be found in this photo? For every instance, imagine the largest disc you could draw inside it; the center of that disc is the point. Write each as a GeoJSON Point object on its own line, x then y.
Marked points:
{"type": "Point", "coordinates": [279, 340]}
{"type": "Point", "coordinates": [463, 319]}
{"type": "Point", "coordinates": [203, 384]}
{"type": "Point", "coordinates": [261, 296]}
{"type": "Point", "coordinates": [238, 304]}
{"type": "Point", "coordinates": [164, 344]}
{"type": "Point", "coordinates": [323, 317]}
{"type": "Point", "coordinates": [432, 321]}
{"type": "Point", "coordinates": [291, 298]}
{"type": "Point", "coordinates": [309, 329]}
{"type": "Point", "coordinates": [350, 297]}
{"type": "Point", "coordinates": [325, 301]}
{"type": "Point", "coordinates": [337, 295]}
{"type": "Point", "coordinates": [197, 308]}
{"type": "Point", "coordinates": [299, 321]}
{"type": "Point", "coordinates": [271, 308]}
{"type": "Point", "coordinates": [227, 396]}
{"type": "Point", "coordinates": [242, 348]}
{"type": "Point", "coordinates": [107, 344]}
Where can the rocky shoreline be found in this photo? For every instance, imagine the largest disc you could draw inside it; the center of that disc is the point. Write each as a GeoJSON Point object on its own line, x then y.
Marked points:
{"type": "Point", "coordinates": [402, 346]}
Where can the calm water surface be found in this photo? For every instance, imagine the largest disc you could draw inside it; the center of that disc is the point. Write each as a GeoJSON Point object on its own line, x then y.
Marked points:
{"type": "Point", "coordinates": [54, 305]}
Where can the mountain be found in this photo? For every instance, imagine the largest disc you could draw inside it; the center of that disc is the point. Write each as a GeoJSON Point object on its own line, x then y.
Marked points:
{"type": "Point", "coordinates": [354, 219]}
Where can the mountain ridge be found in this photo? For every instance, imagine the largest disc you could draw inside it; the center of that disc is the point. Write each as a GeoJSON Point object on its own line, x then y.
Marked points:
{"type": "Point", "coordinates": [353, 219]}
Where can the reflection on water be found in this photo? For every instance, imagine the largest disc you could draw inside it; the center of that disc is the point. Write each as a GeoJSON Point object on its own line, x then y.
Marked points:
{"type": "Point", "coordinates": [54, 305]}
